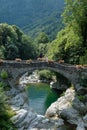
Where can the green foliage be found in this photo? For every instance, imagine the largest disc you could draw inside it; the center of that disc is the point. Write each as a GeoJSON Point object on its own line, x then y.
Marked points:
{"type": "Point", "coordinates": [42, 50]}
{"type": "Point", "coordinates": [41, 16]}
{"type": "Point", "coordinates": [5, 111]}
{"type": "Point", "coordinates": [41, 41]}
{"type": "Point", "coordinates": [4, 74]}
{"type": "Point", "coordinates": [2, 51]}
{"type": "Point", "coordinates": [50, 25]}
{"type": "Point", "coordinates": [42, 38]}
{"type": "Point", "coordinates": [15, 44]}
{"type": "Point", "coordinates": [46, 74]}
{"type": "Point", "coordinates": [71, 42]}
{"type": "Point", "coordinates": [83, 59]}
{"type": "Point", "coordinates": [75, 12]}
{"type": "Point", "coordinates": [1, 85]}
{"type": "Point", "coordinates": [11, 51]}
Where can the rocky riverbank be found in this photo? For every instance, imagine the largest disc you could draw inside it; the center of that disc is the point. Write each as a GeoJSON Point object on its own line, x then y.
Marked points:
{"type": "Point", "coordinates": [67, 108]}
{"type": "Point", "coordinates": [26, 118]}
{"type": "Point", "coordinates": [71, 109]}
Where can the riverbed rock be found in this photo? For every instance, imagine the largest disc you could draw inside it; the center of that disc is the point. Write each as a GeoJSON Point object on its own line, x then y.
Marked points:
{"type": "Point", "coordinates": [56, 85]}
{"type": "Point", "coordinates": [19, 117]}
{"type": "Point", "coordinates": [70, 109]}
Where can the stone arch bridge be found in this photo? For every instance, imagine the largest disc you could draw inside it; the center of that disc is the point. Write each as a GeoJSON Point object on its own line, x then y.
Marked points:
{"type": "Point", "coordinates": [17, 69]}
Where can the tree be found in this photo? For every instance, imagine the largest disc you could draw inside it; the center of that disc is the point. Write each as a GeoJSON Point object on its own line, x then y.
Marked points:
{"type": "Point", "coordinates": [14, 43]}
{"type": "Point", "coordinates": [27, 49]}
{"type": "Point", "coordinates": [75, 14]}
{"type": "Point", "coordinates": [71, 42]}
{"type": "Point", "coordinates": [42, 49]}
{"type": "Point", "coordinates": [11, 52]}
{"type": "Point", "coordinates": [5, 32]}
{"type": "Point", "coordinates": [42, 38]}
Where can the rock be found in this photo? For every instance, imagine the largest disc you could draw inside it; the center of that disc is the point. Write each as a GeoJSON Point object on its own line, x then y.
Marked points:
{"type": "Point", "coordinates": [82, 90]}
{"type": "Point", "coordinates": [17, 100]}
{"type": "Point", "coordinates": [80, 126]}
{"type": "Point", "coordinates": [45, 121]}
{"type": "Point", "coordinates": [40, 117]}
{"type": "Point", "coordinates": [69, 108]}
{"type": "Point", "coordinates": [85, 98]}
{"type": "Point", "coordinates": [22, 128]}
{"type": "Point", "coordinates": [21, 114]}
{"type": "Point", "coordinates": [58, 86]}
{"type": "Point", "coordinates": [71, 115]}
{"type": "Point", "coordinates": [78, 105]}
{"type": "Point", "coordinates": [29, 79]}
{"type": "Point", "coordinates": [52, 110]}
{"type": "Point", "coordinates": [14, 108]}
{"type": "Point", "coordinates": [85, 120]}
{"type": "Point", "coordinates": [59, 122]}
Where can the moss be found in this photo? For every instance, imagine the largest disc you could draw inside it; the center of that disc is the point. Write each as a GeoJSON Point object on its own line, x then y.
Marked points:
{"type": "Point", "coordinates": [4, 74]}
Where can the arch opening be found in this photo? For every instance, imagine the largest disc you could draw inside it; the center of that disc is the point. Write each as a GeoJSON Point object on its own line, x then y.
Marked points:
{"type": "Point", "coordinates": [48, 76]}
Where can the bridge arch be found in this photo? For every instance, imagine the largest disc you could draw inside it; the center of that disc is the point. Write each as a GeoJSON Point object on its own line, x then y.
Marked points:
{"type": "Point", "coordinates": [16, 69]}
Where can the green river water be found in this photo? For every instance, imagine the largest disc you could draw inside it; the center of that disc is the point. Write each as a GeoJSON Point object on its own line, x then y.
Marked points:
{"type": "Point", "coordinates": [41, 97]}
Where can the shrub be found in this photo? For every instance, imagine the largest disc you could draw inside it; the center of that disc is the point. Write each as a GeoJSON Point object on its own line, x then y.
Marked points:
{"type": "Point", "coordinates": [1, 84]}
{"type": "Point", "coordinates": [4, 74]}
{"type": "Point", "coordinates": [5, 112]}
{"type": "Point", "coordinates": [46, 74]}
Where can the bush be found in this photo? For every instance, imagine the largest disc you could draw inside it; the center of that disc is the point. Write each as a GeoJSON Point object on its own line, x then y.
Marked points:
{"type": "Point", "coordinates": [46, 74]}
{"type": "Point", "coordinates": [5, 112]}
{"type": "Point", "coordinates": [4, 74]}
{"type": "Point", "coordinates": [1, 85]}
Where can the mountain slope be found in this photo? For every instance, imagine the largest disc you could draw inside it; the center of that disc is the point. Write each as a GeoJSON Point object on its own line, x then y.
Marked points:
{"type": "Point", "coordinates": [29, 12]}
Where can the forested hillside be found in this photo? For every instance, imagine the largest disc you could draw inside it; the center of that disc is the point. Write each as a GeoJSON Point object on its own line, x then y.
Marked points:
{"type": "Point", "coordinates": [33, 15]}
{"type": "Point", "coordinates": [71, 42]}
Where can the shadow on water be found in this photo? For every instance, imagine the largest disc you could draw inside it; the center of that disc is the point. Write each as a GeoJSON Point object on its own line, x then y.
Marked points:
{"type": "Point", "coordinates": [51, 97]}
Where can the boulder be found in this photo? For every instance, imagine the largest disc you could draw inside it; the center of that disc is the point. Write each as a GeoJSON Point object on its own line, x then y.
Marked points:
{"type": "Point", "coordinates": [69, 108]}
{"type": "Point", "coordinates": [21, 114]}
{"type": "Point", "coordinates": [56, 85]}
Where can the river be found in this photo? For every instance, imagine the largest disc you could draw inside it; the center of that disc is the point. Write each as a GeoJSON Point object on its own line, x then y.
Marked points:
{"type": "Point", "coordinates": [41, 97]}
